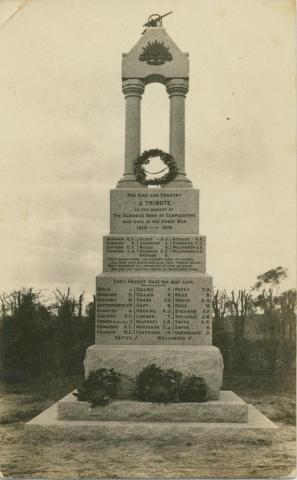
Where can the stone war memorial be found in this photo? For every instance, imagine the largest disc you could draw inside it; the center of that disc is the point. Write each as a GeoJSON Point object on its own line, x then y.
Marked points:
{"type": "Point", "coordinates": [154, 296]}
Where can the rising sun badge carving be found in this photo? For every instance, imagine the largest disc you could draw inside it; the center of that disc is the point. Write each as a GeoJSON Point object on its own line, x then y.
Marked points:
{"type": "Point", "coordinates": [155, 53]}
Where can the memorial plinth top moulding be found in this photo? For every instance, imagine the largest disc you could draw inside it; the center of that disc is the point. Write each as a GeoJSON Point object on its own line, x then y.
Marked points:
{"type": "Point", "coordinates": [155, 58]}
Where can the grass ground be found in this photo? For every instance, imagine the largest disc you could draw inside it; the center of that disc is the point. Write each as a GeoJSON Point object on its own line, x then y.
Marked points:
{"type": "Point", "coordinates": [48, 459]}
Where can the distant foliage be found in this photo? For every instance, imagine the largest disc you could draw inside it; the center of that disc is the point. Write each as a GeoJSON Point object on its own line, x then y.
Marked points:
{"type": "Point", "coordinates": [273, 350]}
{"type": "Point", "coordinates": [99, 388]}
{"type": "Point", "coordinates": [270, 278]}
{"type": "Point", "coordinates": [41, 339]}
{"type": "Point", "coordinates": [26, 334]}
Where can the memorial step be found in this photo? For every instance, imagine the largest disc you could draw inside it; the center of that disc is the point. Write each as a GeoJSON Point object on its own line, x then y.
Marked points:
{"type": "Point", "coordinates": [258, 427]}
{"type": "Point", "coordinates": [229, 408]}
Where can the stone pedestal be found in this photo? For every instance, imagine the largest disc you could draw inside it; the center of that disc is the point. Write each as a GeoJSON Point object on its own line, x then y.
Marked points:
{"type": "Point", "coordinates": [153, 299]}
{"type": "Point", "coordinates": [129, 360]}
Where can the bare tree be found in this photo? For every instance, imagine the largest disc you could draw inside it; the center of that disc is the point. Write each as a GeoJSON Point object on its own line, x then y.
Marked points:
{"type": "Point", "coordinates": [239, 305]}
{"type": "Point", "coordinates": [65, 301]}
{"type": "Point", "coordinates": [11, 302]}
{"type": "Point", "coordinates": [268, 303]}
{"type": "Point", "coordinates": [219, 308]}
{"type": "Point", "coordinates": [287, 303]}
{"type": "Point", "coordinates": [80, 305]}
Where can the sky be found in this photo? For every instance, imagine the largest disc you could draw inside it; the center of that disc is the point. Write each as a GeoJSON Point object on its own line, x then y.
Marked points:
{"type": "Point", "coordinates": [62, 133]}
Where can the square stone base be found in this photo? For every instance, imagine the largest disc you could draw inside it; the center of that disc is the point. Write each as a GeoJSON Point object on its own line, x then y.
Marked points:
{"type": "Point", "coordinates": [47, 425]}
{"type": "Point", "coordinates": [229, 408]}
{"type": "Point", "coordinates": [129, 360]}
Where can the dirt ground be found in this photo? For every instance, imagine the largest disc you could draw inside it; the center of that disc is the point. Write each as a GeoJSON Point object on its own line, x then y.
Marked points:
{"type": "Point", "coordinates": [21, 458]}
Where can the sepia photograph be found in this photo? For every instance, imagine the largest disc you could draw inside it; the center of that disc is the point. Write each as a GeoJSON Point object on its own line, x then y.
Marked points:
{"type": "Point", "coordinates": [148, 239]}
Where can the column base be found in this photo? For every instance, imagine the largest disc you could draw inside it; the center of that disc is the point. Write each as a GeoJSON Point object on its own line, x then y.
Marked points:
{"type": "Point", "coordinates": [180, 181]}
{"type": "Point", "coordinates": [129, 181]}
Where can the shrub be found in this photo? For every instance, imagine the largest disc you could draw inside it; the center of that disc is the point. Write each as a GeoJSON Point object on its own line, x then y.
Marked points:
{"type": "Point", "coordinates": [99, 388]}
{"type": "Point", "coordinates": [156, 385]}
{"type": "Point", "coordinates": [193, 389]}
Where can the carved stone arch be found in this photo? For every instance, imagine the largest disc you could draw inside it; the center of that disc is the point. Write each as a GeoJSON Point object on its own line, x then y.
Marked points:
{"type": "Point", "coordinates": [155, 78]}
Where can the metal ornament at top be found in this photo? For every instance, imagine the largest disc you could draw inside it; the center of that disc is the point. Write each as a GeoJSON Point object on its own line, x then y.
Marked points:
{"type": "Point", "coordinates": [155, 20]}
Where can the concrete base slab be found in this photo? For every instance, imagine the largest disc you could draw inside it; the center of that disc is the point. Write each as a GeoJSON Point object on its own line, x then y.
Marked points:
{"type": "Point", "coordinates": [46, 425]}
{"type": "Point", "coordinates": [229, 408]}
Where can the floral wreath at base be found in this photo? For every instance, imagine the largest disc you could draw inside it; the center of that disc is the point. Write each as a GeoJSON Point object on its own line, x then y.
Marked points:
{"type": "Point", "coordinates": [143, 159]}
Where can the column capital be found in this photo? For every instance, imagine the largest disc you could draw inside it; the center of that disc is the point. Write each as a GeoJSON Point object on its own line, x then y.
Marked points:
{"type": "Point", "coordinates": [177, 87]}
{"type": "Point", "coordinates": [133, 87]}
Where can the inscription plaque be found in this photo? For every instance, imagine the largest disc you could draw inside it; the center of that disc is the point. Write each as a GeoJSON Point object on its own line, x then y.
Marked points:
{"type": "Point", "coordinates": [154, 211]}
{"type": "Point", "coordinates": [153, 309]}
{"type": "Point", "coordinates": [126, 253]}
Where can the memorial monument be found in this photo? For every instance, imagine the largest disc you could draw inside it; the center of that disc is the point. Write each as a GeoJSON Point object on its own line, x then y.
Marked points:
{"type": "Point", "coordinates": [153, 299]}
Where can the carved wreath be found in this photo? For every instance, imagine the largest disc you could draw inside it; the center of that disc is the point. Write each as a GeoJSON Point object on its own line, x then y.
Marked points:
{"type": "Point", "coordinates": [144, 158]}
{"type": "Point", "coordinates": [155, 53]}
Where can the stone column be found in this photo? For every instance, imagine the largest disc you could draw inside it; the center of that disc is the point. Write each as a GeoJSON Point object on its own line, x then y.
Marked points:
{"type": "Point", "coordinates": [133, 90]}
{"type": "Point", "coordinates": [177, 90]}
